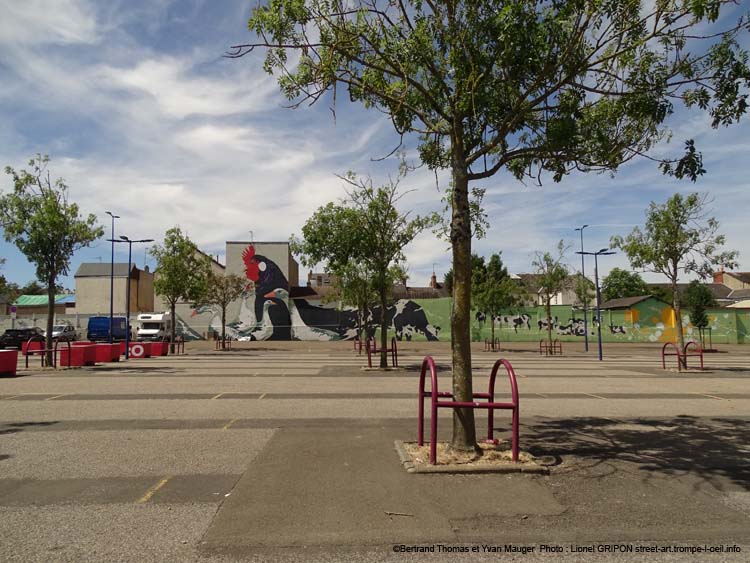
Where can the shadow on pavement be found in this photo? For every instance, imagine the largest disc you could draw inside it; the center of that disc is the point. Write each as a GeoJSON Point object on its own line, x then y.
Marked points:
{"type": "Point", "coordinates": [715, 450]}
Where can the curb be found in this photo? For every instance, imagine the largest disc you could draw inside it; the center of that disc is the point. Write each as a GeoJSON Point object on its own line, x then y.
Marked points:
{"type": "Point", "coordinates": [411, 467]}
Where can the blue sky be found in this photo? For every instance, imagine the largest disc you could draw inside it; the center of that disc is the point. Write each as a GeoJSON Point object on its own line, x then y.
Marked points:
{"type": "Point", "coordinates": [142, 116]}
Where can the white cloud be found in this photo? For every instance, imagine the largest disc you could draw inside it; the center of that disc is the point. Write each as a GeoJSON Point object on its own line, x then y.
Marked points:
{"type": "Point", "coordinates": [40, 22]}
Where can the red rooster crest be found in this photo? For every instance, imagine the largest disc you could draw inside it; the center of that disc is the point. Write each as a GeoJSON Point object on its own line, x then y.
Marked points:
{"type": "Point", "coordinates": [252, 272]}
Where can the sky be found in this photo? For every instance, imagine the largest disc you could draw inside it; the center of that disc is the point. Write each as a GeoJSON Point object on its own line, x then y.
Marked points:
{"type": "Point", "coordinates": [143, 116]}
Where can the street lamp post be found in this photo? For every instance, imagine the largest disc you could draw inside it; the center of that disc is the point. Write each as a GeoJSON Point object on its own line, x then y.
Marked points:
{"type": "Point", "coordinates": [127, 298]}
{"type": "Point", "coordinates": [602, 252]}
{"type": "Point", "coordinates": [112, 275]}
{"type": "Point", "coordinates": [584, 294]}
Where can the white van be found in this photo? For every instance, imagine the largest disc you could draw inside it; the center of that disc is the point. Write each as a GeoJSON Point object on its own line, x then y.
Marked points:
{"type": "Point", "coordinates": [154, 326]}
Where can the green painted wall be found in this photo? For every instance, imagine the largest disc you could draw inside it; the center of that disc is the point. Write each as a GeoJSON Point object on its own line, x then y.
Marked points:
{"type": "Point", "coordinates": [649, 321]}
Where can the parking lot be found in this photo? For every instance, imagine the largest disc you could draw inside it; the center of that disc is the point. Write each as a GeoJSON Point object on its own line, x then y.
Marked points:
{"type": "Point", "coordinates": [285, 451]}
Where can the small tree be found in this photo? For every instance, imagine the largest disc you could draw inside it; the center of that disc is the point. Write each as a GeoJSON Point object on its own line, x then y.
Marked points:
{"type": "Point", "coordinates": [221, 290]}
{"type": "Point", "coordinates": [698, 298]}
{"type": "Point", "coordinates": [585, 290]}
{"type": "Point", "coordinates": [495, 291]}
{"type": "Point", "coordinates": [620, 283]}
{"type": "Point", "coordinates": [368, 230]}
{"type": "Point", "coordinates": [181, 274]}
{"type": "Point", "coordinates": [552, 275]}
{"type": "Point", "coordinates": [38, 218]}
{"type": "Point", "coordinates": [678, 238]}
{"type": "Point", "coordinates": [333, 235]}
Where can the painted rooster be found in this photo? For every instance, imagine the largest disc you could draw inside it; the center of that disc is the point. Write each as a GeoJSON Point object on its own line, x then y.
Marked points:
{"type": "Point", "coordinates": [267, 278]}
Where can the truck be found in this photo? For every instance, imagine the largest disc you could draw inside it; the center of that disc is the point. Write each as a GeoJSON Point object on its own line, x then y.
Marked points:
{"type": "Point", "coordinates": [154, 326]}
{"type": "Point", "coordinates": [98, 329]}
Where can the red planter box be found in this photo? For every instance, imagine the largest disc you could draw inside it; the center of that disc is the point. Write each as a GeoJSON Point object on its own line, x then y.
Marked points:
{"type": "Point", "coordinates": [159, 348]}
{"type": "Point", "coordinates": [80, 355]}
{"type": "Point", "coordinates": [35, 345]}
{"type": "Point", "coordinates": [8, 362]}
{"type": "Point", "coordinates": [140, 350]}
{"type": "Point", "coordinates": [107, 353]}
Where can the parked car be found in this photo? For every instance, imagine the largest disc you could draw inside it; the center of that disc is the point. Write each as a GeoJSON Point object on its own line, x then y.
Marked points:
{"type": "Point", "coordinates": [63, 333]}
{"type": "Point", "coordinates": [14, 337]}
{"type": "Point", "coordinates": [98, 329]}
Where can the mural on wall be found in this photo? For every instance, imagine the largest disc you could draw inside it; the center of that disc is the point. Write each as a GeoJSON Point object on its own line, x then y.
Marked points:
{"type": "Point", "coordinates": [266, 312]}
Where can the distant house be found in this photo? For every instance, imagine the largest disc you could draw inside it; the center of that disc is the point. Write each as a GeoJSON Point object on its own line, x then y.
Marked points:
{"type": "Point", "coordinates": [720, 292]}
{"type": "Point", "coordinates": [530, 282]}
{"type": "Point", "coordinates": [93, 288]}
{"type": "Point", "coordinates": [31, 305]}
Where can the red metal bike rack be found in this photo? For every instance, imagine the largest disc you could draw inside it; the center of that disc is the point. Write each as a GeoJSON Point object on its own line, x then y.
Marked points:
{"type": "Point", "coordinates": [681, 356]}
{"type": "Point", "coordinates": [490, 405]}
{"type": "Point", "coordinates": [374, 350]}
{"type": "Point", "coordinates": [491, 345]}
{"type": "Point", "coordinates": [697, 353]}
{"type": "Point", "coordinates": [554, 349]}
{"type": "Point", "coordinates": [54, 356]}
{"type": "Point", "coordinates": [29, 350]}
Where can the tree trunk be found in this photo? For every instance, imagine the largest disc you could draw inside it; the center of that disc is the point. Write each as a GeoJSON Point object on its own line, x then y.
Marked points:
{"type": "Point", "coordinates": [492, 330]}
{"type": "Point", "coordinates": [464, 433]}
{"type": "Point", "coordinates": [548, 308]}
{"type": "Point", "coordinates": [223, 326]}
{"type": "Point", "coordinates": [678, 323]}
{"type": "Point", "coordinates": [172, 307]}
{"type": "Point", "coordinates": [383, 328]}
{"type": "Point", "coordinates": [50, 320]}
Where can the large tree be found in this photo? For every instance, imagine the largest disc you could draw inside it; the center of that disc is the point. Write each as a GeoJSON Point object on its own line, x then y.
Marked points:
{"type": "Point", "coordinates": [622, 283]}
{"type": "Point", "coordinates": [379, 231]}
{"type": "Point", "coordinates": [539, 88]}
{"type": "Point", "coordinates": [182, 273]}
{"type": "Point", "coordinates": [45, 226]}
{"type": "Point", "coordinates": [551, 278]}
{"type": "Point", "coordinates": [678, 239]}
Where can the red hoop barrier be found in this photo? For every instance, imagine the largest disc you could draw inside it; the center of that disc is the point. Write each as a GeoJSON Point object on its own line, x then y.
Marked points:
{"type": "Point", "coordinates": [664, 354]}
{"type": "Point", "coordinates": [554, 349]}
{"type": "Point", "coordinates": [358, 345]}
{"type": "Point", "coordinates": [33, 344]}
{"type": "Point", "coordinates": [8, 362]}
{"type": "Point", "coordinates": [697, 353]}
{"type": "Point", "coordinates": [682, 357]}
{"type": "Point", "coordinates": [393, 351]}
{"type": "Point", "coordinates": [56, 350]}
{"type": "Point", "coordinates": [490, 405]}
{"type": "Point", "coordinates": [179, 345]}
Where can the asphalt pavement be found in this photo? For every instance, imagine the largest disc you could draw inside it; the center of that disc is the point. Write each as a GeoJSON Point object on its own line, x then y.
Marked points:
{"type": "Point", "coordinates": [285, 452]}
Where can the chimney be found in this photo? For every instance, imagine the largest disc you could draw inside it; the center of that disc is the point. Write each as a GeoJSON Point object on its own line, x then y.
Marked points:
{"type": "Point", "coordinates": [719, 276]}
{"type": "Point", "coordinates": [433, 281]}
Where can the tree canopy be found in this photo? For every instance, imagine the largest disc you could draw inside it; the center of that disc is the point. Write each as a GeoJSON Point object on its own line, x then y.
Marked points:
{"type": "Point", "coordinates": [698, 298]}
{"type": "Point", "coordinates": [494, 290]}
{"type": "Point", "coordinates": [366, 229]}
{"type": "Point", "coordinates": [182, 272]}
{"type": "Point", "coordinates": [539, 88]}
{"type": "Point", "coordinates": [620, 283]}
{"type": "Point", "coordinates": [47, 228]}
{"type": "Point", "coordinates": [221, 290]}
{"type": "Point", "coordinates": [678, 239]}
{"type": "Point", "coordinates": [552, 275]}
